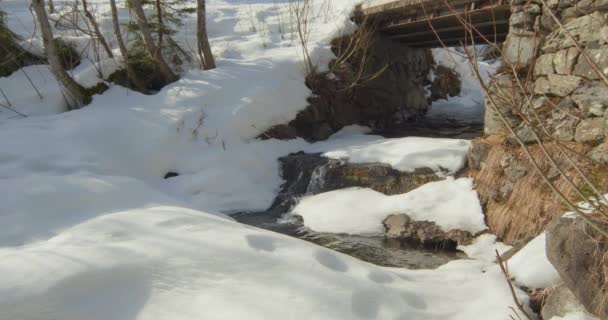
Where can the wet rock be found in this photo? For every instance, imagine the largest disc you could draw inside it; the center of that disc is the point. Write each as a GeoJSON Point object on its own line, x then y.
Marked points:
{"type": "Point", "coordinates": [561, 301]}
{"type": "Point", "coordinates": [591, 131]}
{"type": "Point", "coordinates": [575, 252]}
{"type": "Point", "coordinates": [425, 233]}
{"type": "Point", "coordinates": [557, 85]}
{"type": "Point", "coordinates": [309, 174]}
{"type": "Point", "coordinates": [600, 153]}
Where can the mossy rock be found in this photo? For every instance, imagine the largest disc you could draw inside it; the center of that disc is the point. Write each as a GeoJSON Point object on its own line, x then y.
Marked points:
{"type": "Point", "coordinates": [12, 55]}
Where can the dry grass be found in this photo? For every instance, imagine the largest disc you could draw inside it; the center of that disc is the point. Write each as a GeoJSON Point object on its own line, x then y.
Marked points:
{"type": "Point", "coordinates": [600, 274]}
{"type": "Point", "coordinates": [532, 205]}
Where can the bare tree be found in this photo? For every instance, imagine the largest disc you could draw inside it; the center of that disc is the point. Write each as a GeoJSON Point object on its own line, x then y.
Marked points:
{"type": "Point", "coordinates": [98, 34]}
{"type": "Point", "coordinates": [204, 49]}
{"type": "Point", "coordinates": [75, 95]}
{"type": "Point", "coordinates": [131, 74]}
{"type": "Point", "coordinates": [51, 6]}
{"type": "Point", "coordinates": [153, 49]}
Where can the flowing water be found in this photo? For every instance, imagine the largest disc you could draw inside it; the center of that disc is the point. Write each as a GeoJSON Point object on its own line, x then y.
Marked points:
{"type": "Point", "coordinates": [375, 249]}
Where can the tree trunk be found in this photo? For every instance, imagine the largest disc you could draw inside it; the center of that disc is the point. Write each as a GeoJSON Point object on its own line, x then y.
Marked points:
{"type": "Point", "coordinates": [146, 33]}
{"type": "Point", "coordinates": [131, 75]}
{"type": "Point", "coordinates": [51, 6]}
{"type": "Point", "coordinates": [100, 37]}
{"type": "Point", "coordinates": [204, 49]}
{"type": "Point", "coordinates": [75, 95]}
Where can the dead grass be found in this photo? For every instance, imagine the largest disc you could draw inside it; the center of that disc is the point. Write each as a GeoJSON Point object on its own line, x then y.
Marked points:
{"type": "Point", "coordinates": [532, 205]}
{"type": "Point", "coordinates": [600, 274]}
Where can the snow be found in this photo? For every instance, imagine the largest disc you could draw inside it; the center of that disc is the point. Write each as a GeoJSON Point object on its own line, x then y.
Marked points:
{"type": "Point", "coordinates": [408, 154]}
{"type": "Point", "coordinates": [484, 248]}
{"type": "Point", "coordinates": [469, 105]}
{"type": "Point", "coordinates": [530, 266]}
{"type": "Point", "coordinates": [451, 204]}
{"type": "Point", "coordinates": [174, 263]}
{"type": "Point", "coordinates": [90, 229]}
{"type": "Point", "coordinates": [575, 316]}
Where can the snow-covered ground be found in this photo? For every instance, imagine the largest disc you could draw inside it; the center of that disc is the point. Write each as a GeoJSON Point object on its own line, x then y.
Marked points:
{"type": "Point", "coordinates": [89, 229]}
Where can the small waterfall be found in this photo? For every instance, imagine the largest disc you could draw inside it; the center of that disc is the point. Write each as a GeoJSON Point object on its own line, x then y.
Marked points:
{"type": "Point", "coordinates": [318, 177]}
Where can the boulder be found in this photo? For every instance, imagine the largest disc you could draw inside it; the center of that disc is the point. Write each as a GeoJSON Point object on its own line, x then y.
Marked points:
{"type": "Point", "coordinates": [575, 252]}
{"type": "Point", "coordinates": [591, 131]}
{"type": "Point", "coordinates": [425, 233]}
{"type": "Point", "coordinates": [560, 302]}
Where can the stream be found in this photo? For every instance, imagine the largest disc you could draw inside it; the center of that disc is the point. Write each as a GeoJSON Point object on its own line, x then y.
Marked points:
{"type": "Point", "coordinates": [377, 249]}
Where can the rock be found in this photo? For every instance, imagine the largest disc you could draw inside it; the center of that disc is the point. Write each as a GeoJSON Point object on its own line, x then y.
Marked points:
{"type": "Point", "coordinates": [591, 131]}
{"type": "Point", "coordinates": [563, 119]}
{"type": "Point", "coordinates": [572, 248]}
{"type": "Point", "coordinates": [557, 85]}
{"type": "Point", "coordinates": [478, 152]}
{"type": "Point", "coordinates": [599, 57]}
{"type": "Point", "coordinates": [544, 65]}
{"type": "Point", "coordinates": [424, 233]}
{"type": "Point", "coordinates": [584, 29]}
{"type": "Point", "coordinates": [600, 153]}
{"type": "Point", "coordinates": [561, 301]}
{"type": "Point", "coordinates": [525, 134]}
{"type": "Point", "coordinates": [171, 174]}
{"type": "Point", "coordinates": [501, 89]}
{"type": "Point", "coordinates": [446, 83]}
{"type": "Point", "coordinates": [592, 98]}
{"type": "Point", "coordinates": [309, 174]}
{"type": "Point", "coordinates": [565, 60]}
{"type": "Point", "coordinates": [520, 49]}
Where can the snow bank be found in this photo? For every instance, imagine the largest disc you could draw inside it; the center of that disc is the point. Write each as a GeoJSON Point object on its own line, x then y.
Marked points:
{"type": "Point", "coordinates": [452, 204]}
{"type": "Point", "coordinates": [484, 248]}
{"type": "Point", "coordinates": [174, 263]}
{"type": "Point", "coordinates": [530, 266]}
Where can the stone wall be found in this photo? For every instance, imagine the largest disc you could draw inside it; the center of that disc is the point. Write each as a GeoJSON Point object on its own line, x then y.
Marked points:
{"type": "Point", "coordinates": [564, 98]}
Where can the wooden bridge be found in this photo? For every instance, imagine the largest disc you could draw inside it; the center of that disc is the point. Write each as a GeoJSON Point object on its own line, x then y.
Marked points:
{"type": "Point", "coordinates": [421, 23]}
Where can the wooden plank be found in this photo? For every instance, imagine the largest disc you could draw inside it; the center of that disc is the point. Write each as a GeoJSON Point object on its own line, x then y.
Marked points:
{"type": "Point", "coordinates": [458, 27]}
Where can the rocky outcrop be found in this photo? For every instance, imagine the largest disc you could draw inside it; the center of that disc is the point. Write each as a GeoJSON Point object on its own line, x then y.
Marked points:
{"type": "Point", "coordinates": [309, 174]}
{"type": "Point", "coordinates": [446, 84]}
{"type": "Point", "coordinates": [378, 87]}
{"type": "Point", "coordinates": [576, 251]}
{"type": "Point", "coordinates": [425, 233]}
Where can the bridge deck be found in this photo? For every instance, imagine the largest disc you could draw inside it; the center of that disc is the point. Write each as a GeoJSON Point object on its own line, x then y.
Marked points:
{"type": "Point", "coordinates": [410, 21]}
